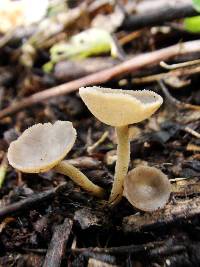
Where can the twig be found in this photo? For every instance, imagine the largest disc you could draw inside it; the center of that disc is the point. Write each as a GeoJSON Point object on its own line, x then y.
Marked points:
{"type": "Point", "coordinates": [179, 65]}
{"type": "Point", "coordinates": [29, 202]}
{"type": "Point", "coordinates": [164, 75]}
{"type": "Point", "coordinates": [119, 250]}
{"type": "Point", "coordinates": [156, 15]}
{"type": "Point", "coordinates": [57, 245]}
{"type": "Point", "coordinates": [174, 101]}
{"type": "Point", "coordinates": [91, 148]}
{"type": "Point", "coordinates": [35, 250]}
{"type": "Point", "coordinates": [169, 97]}
{"type": "Point", "coordinates": [192, 132]}
{"type": "Point", "coordinates": [166, 250]}
{"type": "Point", "coordinates": [126, 67]}
{"type": "Point", "coordinates": [129, 37]}
{"type": "Point", "coordinates": [150, 250]}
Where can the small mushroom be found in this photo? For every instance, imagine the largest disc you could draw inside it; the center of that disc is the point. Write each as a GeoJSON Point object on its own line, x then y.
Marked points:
{"type": "Point", "coordinates": [119, 108]}
{"type": "Point", "coordinates": [147, 188]}
{"type": "Point", "coordinates": [42, 147]}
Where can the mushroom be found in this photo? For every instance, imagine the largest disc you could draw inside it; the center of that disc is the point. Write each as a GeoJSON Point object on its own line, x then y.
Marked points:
{"type": "Point", "coordinates": [147, 188]}
{"type": "Point", "coordinates": [43, 147]}
{"type": "Point", "coordinates": [119, 108]}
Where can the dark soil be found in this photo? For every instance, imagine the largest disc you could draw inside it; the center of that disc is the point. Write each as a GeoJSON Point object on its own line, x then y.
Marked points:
{"type": "Point", "coordinates": [74, 226]}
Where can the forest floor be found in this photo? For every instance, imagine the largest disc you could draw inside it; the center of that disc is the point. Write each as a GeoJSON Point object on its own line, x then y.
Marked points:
{"type": "Point", "coordinates": [47, 220]}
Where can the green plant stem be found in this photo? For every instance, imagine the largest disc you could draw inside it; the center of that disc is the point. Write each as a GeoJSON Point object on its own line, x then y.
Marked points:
{"type": "Point", "coordinates": [121, 168]}
{"type": "Point", "coordinates": [79, 178]}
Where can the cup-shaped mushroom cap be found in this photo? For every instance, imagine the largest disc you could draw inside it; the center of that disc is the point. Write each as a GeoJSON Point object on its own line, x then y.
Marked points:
{"type": "Point", "coordinates": [147, 188]}
{"type": "Point", "coordinates": [118, 107]}
{"type": "Point", "coordinates": [42, 146]}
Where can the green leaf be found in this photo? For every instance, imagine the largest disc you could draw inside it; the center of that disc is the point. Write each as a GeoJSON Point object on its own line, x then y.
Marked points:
{"type": "Point", "coordinates": [48, 67]}
{"type": "Point", "coordinates": [94, 41]}
{"type": "Point", "coordinates": [192, 24]}
{"type": "Point", "coordinates": [196, 4]}
{"type": "Point", "coordinates": [85, 44]}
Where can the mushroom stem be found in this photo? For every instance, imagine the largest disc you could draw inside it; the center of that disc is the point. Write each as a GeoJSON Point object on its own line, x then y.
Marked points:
{"type": "Point", "coordinates": [121, 168]}
{"type": "Point", "coordinates": [79, 178]}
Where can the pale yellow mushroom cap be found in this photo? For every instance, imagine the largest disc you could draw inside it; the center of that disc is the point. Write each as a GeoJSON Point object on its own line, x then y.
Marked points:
{"type": "Point", "coordinates": [117, 107]}
{"type": "Point", "coordinates": [147, 188]}
{"type": "Point", "coordinates": [42, 146]}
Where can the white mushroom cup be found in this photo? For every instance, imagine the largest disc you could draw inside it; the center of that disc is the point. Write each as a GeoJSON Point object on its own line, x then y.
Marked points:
{"type": "Point", "coordinates": [147, 188]}
{"type": "Point", "coordinates": [43, 147]}
{"type": "Point", "coordinates": [120, 108]}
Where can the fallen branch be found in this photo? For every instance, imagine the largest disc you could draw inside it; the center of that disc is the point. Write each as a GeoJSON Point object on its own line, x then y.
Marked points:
{"type": "Point", "coordinates": [29, 202]}
{"type": "Point", "coordinates": [131, 65]}
{"type": "Point", "coordinates": [157, 13]}
{"type": "Point", "coordinates": [173, 212]}
{"type": "Point", "coordinates": [57, 245]}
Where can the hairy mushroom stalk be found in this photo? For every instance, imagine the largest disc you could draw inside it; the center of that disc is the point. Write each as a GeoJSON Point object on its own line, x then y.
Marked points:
{"type": "Point", "coordinates": [43, 147]}
{"type": "Point", "coordinates": [147, 188]}
{"type": "Point", "coordinates": [119, 108]}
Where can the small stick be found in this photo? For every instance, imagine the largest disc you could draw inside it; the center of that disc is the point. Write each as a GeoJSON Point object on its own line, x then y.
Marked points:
{"type": "Point", "coordinates": [174, 101]}
{"type": "Point", "coordinates": [150, 250]}
{"type": "Point", "coordinates": [164, 75]}
{"type": "Point", "coordinates": [131, 65]}
{"type": "Point", "coordinates": [56, 249]}
{"type": "Point", "coordinates": [91, 148]}
{"type": "Point", "coordinates": [192, 132]}
{"type": "Point", "coordinates": [166, 250]}
{"type": "Point", "coordinates": [169, 97]}
{"type": "Point", "coordinates": [35, 250]}
{"type": "Point", "coordinates": [119, 250]}
{"type": "Point", "coordinates": [159, 12]}
{"type": "Point", "coordinates": [129, 37]}
{"type": "Point", "coordinates": [27, 203]}
{"type": "Point", "coordinates": [179, 65]}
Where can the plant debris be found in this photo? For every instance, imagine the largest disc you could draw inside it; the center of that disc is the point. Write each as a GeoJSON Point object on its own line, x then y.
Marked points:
{"type": "Point", "coordinates": [48, 220]}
